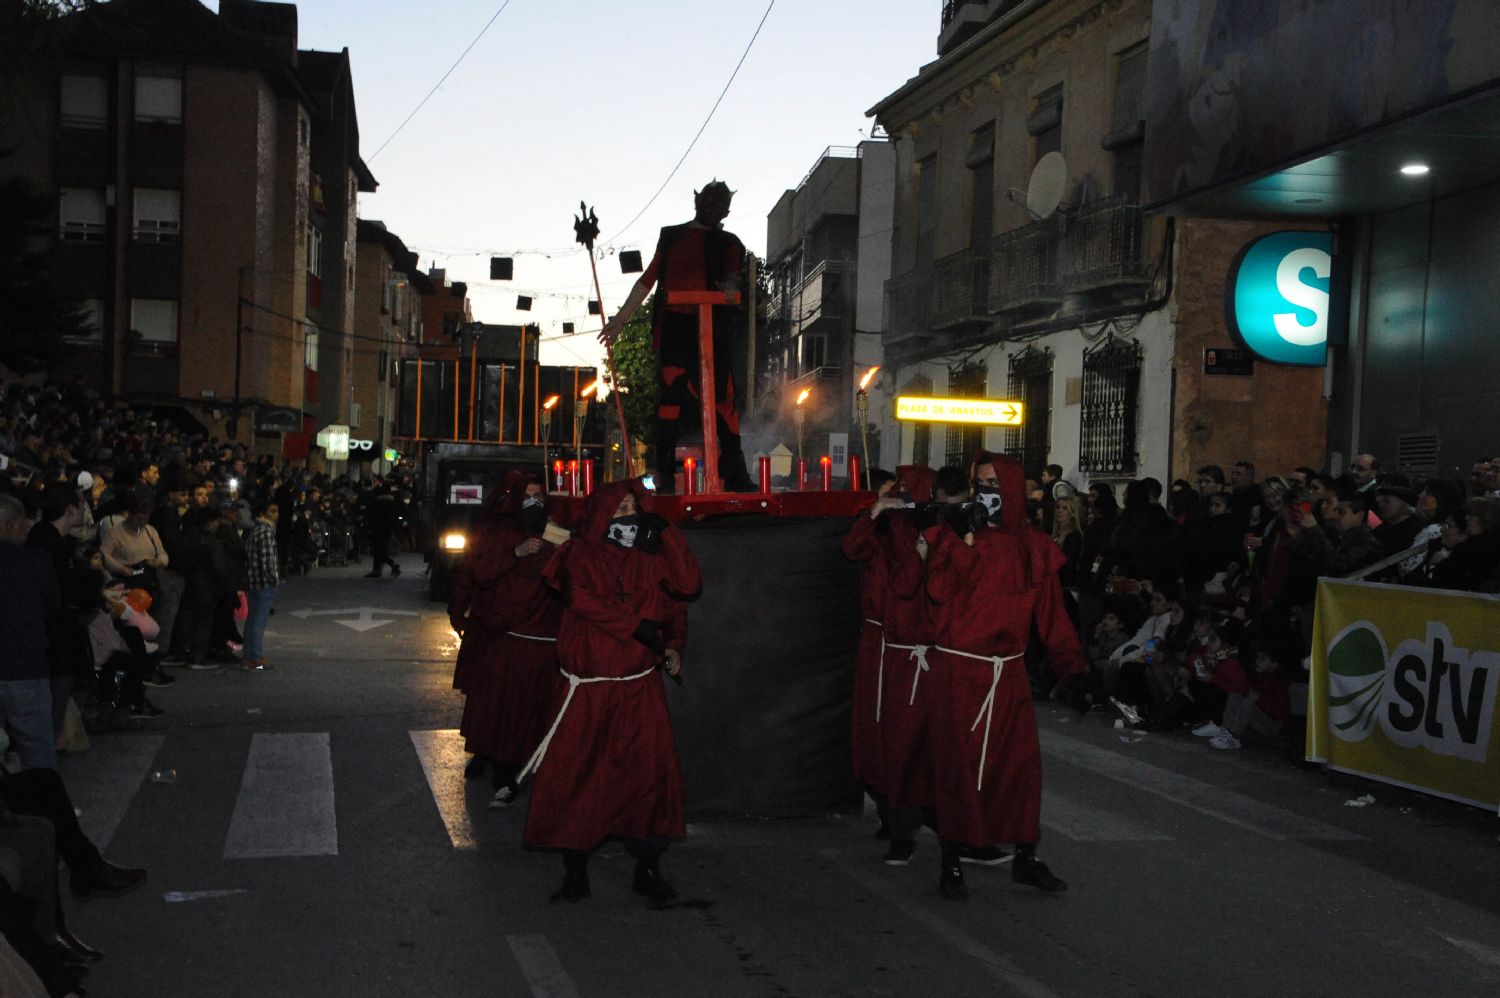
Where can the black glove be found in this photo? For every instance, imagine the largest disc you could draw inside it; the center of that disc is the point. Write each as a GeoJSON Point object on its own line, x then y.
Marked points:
{"type": "Point", "coordinates": [648, 535]}
{"type": "Point", "coordinates": [652, 634]}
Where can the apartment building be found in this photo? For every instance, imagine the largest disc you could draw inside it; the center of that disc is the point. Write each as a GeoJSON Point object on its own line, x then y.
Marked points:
{"type": "Point", "coordinates": [387, 329]}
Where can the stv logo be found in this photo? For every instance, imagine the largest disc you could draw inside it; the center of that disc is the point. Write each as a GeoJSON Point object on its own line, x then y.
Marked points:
{"type": "Point", "coordinates": [1430, 694]}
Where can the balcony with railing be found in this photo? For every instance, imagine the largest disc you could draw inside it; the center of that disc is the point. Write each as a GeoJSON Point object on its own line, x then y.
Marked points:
{"type": "Point", "coordinates": [908, 300]}
{"type": "Point", "coordinates": [961, 18]}
{"type": "Point", "coordinates": [960, 290]}
{"type": "Point", "coordinates": [1103, 247]}
{"type": "Point", "coordinates": [1023, 267]}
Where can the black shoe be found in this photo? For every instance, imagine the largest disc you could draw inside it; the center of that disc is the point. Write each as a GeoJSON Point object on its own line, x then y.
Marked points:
{"type": "Point", "coordinates": [147, 711]}
{"type": "Point", "coordinates": [575, 887]}
{"type": "Point", "coordinates": [373, 575]}
{"type": "Point", "coordinates": [395, 570]}
{"type": "Point", "coordinates": [648, 883]}
{"type": "Point", "coordinates": [476, 767]}
{"type": "Point", "coordinates": [883, 833]}
{"type": "Point", "coordinates": [899, 854]}
{"type": "Point", "coordinates": [1032, 871]}
{"type": "Point", "coordinates": [951, 883]}
{"type": "Point", "coordinates": [107, 879]}
{"type": "Point", "coordinates": [76, 948]}
{"type": "Point", "coordinates": [159, 679]}
{"type": "Point", "coordinates": [223, 656]}
{"type": "Point", "coordinates": [987, 856]}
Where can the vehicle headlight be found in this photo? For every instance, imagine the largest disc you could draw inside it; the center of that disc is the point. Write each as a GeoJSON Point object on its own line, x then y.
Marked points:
{"type": "Point", "coordinates": [453, 542]}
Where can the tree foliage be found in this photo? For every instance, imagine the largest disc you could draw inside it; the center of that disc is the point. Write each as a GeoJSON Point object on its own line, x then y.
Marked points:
{"type": "Point", "coordinates": [635, 367]}
{"type": "Point", "coordinates": [35, 317]}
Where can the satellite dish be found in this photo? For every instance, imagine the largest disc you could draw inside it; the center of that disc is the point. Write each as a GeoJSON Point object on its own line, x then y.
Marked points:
{"type": "Point", "coordinates": [1045, 191]}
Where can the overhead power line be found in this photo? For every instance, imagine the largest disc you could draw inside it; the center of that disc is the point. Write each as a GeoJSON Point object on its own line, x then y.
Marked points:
{"type": "Point", "coordinates": [712, 110]}
{"type": "Point", "coordinates": [440, 82]}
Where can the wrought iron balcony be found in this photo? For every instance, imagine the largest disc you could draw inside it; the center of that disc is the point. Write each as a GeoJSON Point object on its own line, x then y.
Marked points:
{"type": "Point", "coordinates": [960, 290]}
{"type": "Point", "coordinates": [1023, 267]}
{"type": "Point", "coordinates": [1102, 246]}
{"type": "Point", "coordinates": [908, 300]}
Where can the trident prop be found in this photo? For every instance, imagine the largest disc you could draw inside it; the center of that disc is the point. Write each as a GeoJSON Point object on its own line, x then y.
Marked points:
{"type": "Point", "coordinates": [586, 230]}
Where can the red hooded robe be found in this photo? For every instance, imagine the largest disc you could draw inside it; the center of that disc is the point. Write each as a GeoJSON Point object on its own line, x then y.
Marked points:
{"type": "Point", "coordinates": [510, 679]}
{"type": "Point", "coordinates": [987, 759]}
{"type": "Point", "coordinates": [611, 768]}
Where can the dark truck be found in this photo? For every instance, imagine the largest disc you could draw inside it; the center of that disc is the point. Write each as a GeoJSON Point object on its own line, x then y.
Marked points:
{"type": "Point", "coordinates": [473, 409]}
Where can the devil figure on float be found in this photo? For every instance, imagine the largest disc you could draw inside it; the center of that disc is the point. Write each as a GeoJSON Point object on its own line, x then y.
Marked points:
{"type": "Point", "coordinates": [695, 256]}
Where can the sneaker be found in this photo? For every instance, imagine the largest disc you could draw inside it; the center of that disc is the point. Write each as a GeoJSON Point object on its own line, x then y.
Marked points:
{"type": "Point", "coordinates": [1129, 713]}
{"type": "Point", "coordinates": [257, 665]}
{"type": "Point", "coordinates": [203, 666]}
{"type": "Point", "coordinates": [1224, 740]}
{"type": "Point", "coordinates": [147, 711]}
{"type": "Point", "coordinates": [1207, 729]}
{"type": "Point", "coordinates": [899, 853]}
{"type": "Point", "coordinates": [159, 679]}
{"type": "Point", "coordinates": [504, 797]}
{"type": "Point", "coordinates": [988, 856]}
{"type": "Point", "coordinates": [173, 659]}
{"type": "Point", "coordinates": [1033, 872]}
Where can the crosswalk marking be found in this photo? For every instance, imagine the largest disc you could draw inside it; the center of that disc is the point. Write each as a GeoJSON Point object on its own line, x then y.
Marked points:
{"type": "Point", "coordinates": [1086, 823]}
{"type": "Point", "coordinates": [443, 757]}
{"type": "Point", "coordinates": [1217, 802]}
{"type": "Point", "coordinates": [108, 780]}
{"type": "Point", "coordinates": [543, 970]}
{"type": "Point", "coordinates": [285, 806]}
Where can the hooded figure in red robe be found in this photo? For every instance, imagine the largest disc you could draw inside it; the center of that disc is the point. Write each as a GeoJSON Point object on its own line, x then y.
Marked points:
{"type": "Point", "coordinates": [609, 768]}
{"type": "Point", "coordinates": [508, 616]}
{"type": "Point", "coordinates": [990, 577]}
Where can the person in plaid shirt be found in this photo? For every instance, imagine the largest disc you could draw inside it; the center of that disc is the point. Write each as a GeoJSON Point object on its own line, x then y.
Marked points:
{"type": "Point", "coordinates": [261, 565]}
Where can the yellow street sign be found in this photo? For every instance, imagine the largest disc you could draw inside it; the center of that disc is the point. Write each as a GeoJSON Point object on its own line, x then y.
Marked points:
{"type": "Point", "coordinates": [985, 412]}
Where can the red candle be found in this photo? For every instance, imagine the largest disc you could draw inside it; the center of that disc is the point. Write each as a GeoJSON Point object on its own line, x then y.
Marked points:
{"type": "Point", "coordinates": [690, 476]}
{"type": "Point", "coordinates": [765, 476]}
{"type": "Point", "coordinates": [855, 482]}
{"type": "Point", "coordinates": [827, 463]}
{"type": "Point", "coordinates": [557, 476]}
{"type": "Point", "coordinates": [588, 476]}
{"type": "Point", "coordinates": [573, 477]}
{"type": "Point", "coordinates": [801, 474]}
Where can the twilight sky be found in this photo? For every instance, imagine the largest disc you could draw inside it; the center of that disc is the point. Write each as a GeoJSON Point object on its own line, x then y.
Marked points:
{"type": "Point", "coordinates": [563, 100]}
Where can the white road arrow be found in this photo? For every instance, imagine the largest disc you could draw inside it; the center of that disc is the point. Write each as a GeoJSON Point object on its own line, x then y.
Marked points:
{"type": "Point", "coordinates": [364, 619]}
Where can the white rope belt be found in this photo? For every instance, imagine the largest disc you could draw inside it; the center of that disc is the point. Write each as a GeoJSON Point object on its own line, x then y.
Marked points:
{"type": "Point", "coordinates": [535, 762]}
{"type": "Point", "coordinates": [530, 637]}
{"type": "Point", "coordinates": [915, 653]}
{"type": "Point", "coordinates": [987, 709]}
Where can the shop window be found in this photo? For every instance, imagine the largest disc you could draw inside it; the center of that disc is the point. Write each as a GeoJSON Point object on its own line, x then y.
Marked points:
{"type": "Point", "coordinates": [80, 215]}
{"type": "Point", "coordinates": [1111, 401]}
{"type": "Point", "coordinates": [84, 101]}
{"type": "Point", "coordinates": [158, 215]}
{"type": "Point", "coordinates": [158, 99]}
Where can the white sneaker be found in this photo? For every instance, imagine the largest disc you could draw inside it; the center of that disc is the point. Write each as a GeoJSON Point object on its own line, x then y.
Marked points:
{"type": "Point", "coordinates": [1224, 740]}
{"type": "Point", "coordinates": [504, 797]}
{"type": "Point", "coordinates": [1131, 715]}
{"type": "Point", "coordinates": [1207, 729]}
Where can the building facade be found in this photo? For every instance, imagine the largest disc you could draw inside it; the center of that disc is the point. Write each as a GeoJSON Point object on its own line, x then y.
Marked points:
{"type": "Point", "coordinates": [387, 329]}
{"type": "Point", "coordinates": [178, 144]}
{"type": "Point", "coordinates": [1024, 266]}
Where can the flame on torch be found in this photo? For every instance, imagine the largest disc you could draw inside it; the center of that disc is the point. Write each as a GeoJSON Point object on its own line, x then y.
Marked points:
{"type": "Point", "coordinates": [551, 401]}
{"type": "Point", "coordinates": [865, 381]}
{"type": "Point", "coordinates": [803, 397]}
{"type": "Point", "coordinates": [589, 389]}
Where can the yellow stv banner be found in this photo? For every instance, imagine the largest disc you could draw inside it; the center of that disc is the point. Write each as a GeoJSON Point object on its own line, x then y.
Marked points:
{"type": "Point", "coordinates": [1403, 688]}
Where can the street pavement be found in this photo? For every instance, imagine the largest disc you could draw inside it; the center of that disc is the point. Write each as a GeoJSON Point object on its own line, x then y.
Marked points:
{"type": "Point", "coordinates": [308, 832]}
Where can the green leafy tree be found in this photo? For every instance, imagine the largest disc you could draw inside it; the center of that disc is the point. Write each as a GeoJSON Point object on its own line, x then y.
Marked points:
{"type": "Point", "coordinates": [35, 317]}
{"type": "Point", "coordinates": [635, 367]}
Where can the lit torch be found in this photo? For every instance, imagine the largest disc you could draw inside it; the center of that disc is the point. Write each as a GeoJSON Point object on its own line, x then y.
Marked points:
{"type": "Point", "coordinates": [580, 415]}
{"type": "Point", "coordinates": [862, 405]}
{"type": "Point", "coordinates": [801, 417]}
{"type": "Point", "coordinates": [547, 407]}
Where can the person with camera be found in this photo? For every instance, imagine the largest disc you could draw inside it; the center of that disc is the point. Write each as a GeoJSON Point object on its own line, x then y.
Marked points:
{"type": "Point", "coordinates": [992, 578]}
{"type": "Point", "coordinates": [608, 766]}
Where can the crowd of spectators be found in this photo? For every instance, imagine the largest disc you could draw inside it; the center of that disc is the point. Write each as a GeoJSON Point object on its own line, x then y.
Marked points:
{"type": "Point", "coordinates": [1196, 602]}
{"type": "Point", "coordinates": [131, 542]}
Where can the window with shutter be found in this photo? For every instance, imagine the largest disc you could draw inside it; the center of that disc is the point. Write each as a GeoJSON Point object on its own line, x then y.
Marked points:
{"type": "Point", "coordinates": [80, 215]}
{"type": "Point", "coordinates": [84, 101]}
{"type": "Point", "coordinates": [158, 215]}
{"type": "Point", "coordinates": [158, 99]}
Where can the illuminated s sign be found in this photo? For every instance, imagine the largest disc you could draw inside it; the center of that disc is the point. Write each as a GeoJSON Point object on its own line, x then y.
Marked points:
{"type": "Point", "coordinates": [1278, 299]}
{"type": "Point", "coordinates": [984, 412]}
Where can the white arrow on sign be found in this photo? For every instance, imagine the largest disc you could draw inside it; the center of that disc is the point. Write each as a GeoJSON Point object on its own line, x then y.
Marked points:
{"type": "Point", "coordinates": [365, 619]}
